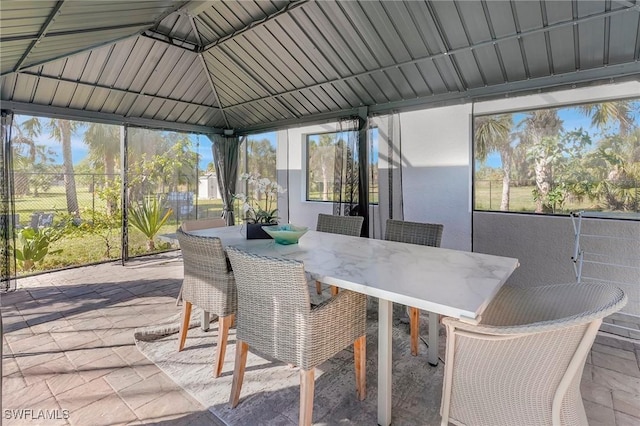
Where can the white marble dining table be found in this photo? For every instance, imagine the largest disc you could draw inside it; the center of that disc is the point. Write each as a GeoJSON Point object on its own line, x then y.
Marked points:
{"type": "Point", "coordinates": [449, 282]}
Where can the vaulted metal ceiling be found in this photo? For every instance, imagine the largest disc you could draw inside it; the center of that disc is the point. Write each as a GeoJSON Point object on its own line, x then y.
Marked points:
{"type": "Point", "coordinates": [251, 65]}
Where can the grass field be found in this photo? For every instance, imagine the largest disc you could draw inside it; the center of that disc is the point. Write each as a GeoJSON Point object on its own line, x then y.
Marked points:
{"type": "Point", "coordinates": [84, 248]}
{"type": "Point", "coordinates": [489, 194]}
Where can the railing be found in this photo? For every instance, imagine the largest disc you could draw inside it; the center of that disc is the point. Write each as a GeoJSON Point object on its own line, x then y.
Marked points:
{"type": "Point", "coordinates": [604, 252]}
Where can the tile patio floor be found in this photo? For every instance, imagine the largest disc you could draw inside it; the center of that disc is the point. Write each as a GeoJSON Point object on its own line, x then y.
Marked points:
{"type": "Point", "coordinates": [68, 345]}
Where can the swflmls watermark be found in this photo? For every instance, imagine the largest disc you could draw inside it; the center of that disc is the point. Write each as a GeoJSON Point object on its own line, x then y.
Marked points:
{"type": "Point", "coordinates": [36, 414]}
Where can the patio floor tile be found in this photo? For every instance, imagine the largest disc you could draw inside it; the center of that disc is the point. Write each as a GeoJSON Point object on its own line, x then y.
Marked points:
{"type": "Point", "coordinates": [68, 345]}
{"type": "Point", "coordinates": [109, 410]}
{"type": "Point", "coordinates": [83, 395]}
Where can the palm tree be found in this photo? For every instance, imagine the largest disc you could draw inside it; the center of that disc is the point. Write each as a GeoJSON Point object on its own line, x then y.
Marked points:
{"type": "Point", "coordinates": [537, 126]}
{"type": "Point", "coordinates": [605, 113]}
{"type": "Point", "coordinates": [493, 135]}
{"type": "Point", "coordinates": [61, 130]}
{"type": "Point", "coordinates": [104, 146]}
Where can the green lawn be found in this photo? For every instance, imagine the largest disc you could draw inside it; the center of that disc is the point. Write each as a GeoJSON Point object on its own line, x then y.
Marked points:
{"type": "Point", "coordinates": [488, 196]}
{"type": "Point", "coordinates": [84, 248]}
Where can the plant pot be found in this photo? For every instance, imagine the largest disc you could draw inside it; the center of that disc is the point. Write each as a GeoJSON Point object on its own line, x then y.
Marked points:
{"type": "Point", "coordinates": [255, 231]}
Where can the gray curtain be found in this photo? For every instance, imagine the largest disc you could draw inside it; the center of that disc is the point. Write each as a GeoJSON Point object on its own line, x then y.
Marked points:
{"type": "Point", "coordinates": [225, 158]}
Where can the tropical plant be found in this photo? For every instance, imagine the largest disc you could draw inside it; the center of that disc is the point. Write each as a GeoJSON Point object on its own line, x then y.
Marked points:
{"type": "Point", "coordinates": [147, 216]}
{"type": "Point", "coordinates": [538, 126]}
{"type": "Point", "coordinates": [34, 246]}
{"type": "Point", "coordinates": [492, 134]}
{"type": "Point", "coordinates": [260, 209]}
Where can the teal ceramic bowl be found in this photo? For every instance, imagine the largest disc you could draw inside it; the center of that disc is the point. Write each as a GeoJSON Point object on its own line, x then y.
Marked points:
{"type": "Point", "coordinates": [285, 234]}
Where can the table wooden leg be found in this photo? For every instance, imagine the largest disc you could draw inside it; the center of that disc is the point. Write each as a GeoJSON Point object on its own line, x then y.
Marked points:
{"type": "Point", "coordinates": [385, 311]}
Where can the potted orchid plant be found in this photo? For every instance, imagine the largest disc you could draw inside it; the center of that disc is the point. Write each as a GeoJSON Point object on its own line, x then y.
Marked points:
{"type": "Point", "coordinates": [261, 209]}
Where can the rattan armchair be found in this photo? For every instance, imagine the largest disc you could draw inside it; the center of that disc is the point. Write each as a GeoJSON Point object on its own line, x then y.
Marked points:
{"type": "Point", "coordinates": [344, 225]}
{"type": "Point", "coordinates": [209, 284]}
{"type": "Point", "coordinates": [426, 234]}
{"type": "Point", "coordinates": [276, 319]}
{"type": "Point", "coordinates": [197, 225]}
{"type": "Point", "coordinates": [523, 362]}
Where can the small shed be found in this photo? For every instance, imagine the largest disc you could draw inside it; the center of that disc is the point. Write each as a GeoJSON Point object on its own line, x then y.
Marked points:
{"type": "Point", "coordinates": [208, 187]}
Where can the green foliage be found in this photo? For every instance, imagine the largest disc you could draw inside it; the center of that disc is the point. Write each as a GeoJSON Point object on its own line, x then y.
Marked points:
{"type": "Point", "coordinates": [34, 246]}
{"type": "Point", "coordinates": [147, 216]}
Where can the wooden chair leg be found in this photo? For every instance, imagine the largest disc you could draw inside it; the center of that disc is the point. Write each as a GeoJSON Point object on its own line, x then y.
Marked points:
{"type": "Point", "coordinates": [334, 290]}
{"type": "Point", "coordinates": [318, 287]}
{"type": "Point", "coordinates": [223, 333]}
{"type": "Point", "coordinates": [414, 325]}
{"type": "Point", "coordinates": [238, 372]}
{"type": "Point", "coordinates": [360, 361]}
{"type": "Point", "coordinates": [184, 326]}
{"type": "Point", "coordinates": [306, 397]}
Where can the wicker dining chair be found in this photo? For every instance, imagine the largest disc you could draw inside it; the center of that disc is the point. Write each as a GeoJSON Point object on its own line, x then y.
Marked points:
{"type": "Point", "coordinates": [209, 284]}
{"type": "Point", "coordinates": [344, 225]}
{"type": "Point", "coordinates": [426, 234]}
{"type": "Point", "coordinates": [522, 364]}
{"type": "Point", "coordinates": [198, 224]}
{"type": "Point", "coordinates": [275, 318]}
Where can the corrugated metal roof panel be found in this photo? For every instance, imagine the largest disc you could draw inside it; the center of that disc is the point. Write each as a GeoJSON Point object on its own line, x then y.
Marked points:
{"type": "Point", "coordinates": [358, 18]}
{"type": "Point", "coordinates": [21, 18]}
{"type": "Point", "coordinates": [225, 18]}
{"type": "Point", "coordinates": [265, 67]}
{"type": "Point", "coordinates": [558, 11]}
{"type": "Point", "coordinates": [10, 54]}
{"type": "Point", "coordinates": [563, 53]}
{"type": "Point", "coordinates": [453, 33]}
{"type": "Point", "coordinates": [622, 29]}
{"type": "Point", "coordinates": [276, 60]}
{"type": "Point", "coordinates": [84, 14]}
{"type": "Point", "coordinates": [591, 44]}
{"type": "Point", "coordinates": [313, 40]}
{"type": "Point", "coordinates": [235, 86]}
{"type": "Point", "coordinates": [56, 47]}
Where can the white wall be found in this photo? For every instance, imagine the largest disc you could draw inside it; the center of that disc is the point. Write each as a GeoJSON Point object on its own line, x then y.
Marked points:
{"type": "Point", "coordinates": [436, 174]}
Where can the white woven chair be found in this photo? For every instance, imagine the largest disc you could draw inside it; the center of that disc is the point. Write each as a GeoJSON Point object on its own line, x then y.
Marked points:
{"type": "Point", "coordinates": [522, 364]}
{"type": "Point", "coordinates": [209, 284]}
{"type": "Point", "coordinates": [344, 225]}
{"type": "Point", "coordinates": [424, 234]}
{"type": "Point", "coordinates": [276, 319]}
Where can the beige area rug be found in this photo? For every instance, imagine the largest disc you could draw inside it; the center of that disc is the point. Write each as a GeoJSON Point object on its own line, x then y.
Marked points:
{"type": "Point", "coordinates": [270, 392]}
